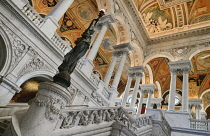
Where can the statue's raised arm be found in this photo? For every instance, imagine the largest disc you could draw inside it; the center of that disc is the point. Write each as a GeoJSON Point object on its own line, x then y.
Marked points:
{"type": "Point", "coordinates": [72, 57]}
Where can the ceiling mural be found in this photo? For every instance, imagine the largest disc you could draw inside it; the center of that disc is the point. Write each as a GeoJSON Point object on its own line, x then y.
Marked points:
{"type": "Point", "coordinates": [162, 17]}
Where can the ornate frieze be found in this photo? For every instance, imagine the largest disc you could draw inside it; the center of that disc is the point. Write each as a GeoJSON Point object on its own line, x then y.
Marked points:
{"type": "Point", "coordinates": [96, 116]}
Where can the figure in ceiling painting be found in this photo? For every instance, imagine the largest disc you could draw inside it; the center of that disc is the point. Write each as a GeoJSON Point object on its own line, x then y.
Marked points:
{"type": "Point", "coordinates": [85, 12]}
{"type": "Point", "coordinates": [157, 20]}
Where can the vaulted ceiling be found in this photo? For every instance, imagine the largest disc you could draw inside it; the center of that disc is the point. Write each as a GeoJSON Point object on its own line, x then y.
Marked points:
{"type": "Point", "coordinates": [164, 17]}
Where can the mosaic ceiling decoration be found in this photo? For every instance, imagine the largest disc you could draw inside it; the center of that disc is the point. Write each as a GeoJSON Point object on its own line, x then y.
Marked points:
{"type": "Point", "coordinates": [163, 17]}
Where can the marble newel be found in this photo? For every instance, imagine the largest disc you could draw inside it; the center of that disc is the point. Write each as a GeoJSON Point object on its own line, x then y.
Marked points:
{"type": "Point", "coordinates": [45, 110]}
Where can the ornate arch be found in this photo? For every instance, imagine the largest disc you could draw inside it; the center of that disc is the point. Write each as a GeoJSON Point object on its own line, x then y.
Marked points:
{"type": "Point", "coordinates": [40, 73]}
{"type": "Point", "coordinates": [6, 53]}
{"type": "Point", "coordinates": [157, 55]}
{"type": "Point", "coordinates": [195, 51]}
{"type": "Point", "coordinates": [136, 55]}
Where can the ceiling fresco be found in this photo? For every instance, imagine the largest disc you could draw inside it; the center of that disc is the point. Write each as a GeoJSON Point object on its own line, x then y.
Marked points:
{"type": "Point", "coordinates": [162, 17]}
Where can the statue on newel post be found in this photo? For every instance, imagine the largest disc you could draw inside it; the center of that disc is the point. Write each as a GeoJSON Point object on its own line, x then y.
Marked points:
{"type": "Point", "coordinates": [46, 109]}
{"type": "Point", "coordinates": [72, 57]}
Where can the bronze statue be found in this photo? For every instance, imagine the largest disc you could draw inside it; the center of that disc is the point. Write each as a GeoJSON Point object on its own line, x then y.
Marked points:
{"type": "Point", "coordinates": [72, 57]}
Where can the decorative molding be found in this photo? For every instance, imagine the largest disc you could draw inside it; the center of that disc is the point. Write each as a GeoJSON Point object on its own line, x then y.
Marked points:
{"type": "Point", "coordinates": [99, 99]}
{"type": "Point", "coordinates": [34, 64]}
{"type": "Point", "coordinates": [95, 116]}
{"type": "Point", "coordinates": [53, 107]}
{"type": "Point", "coordinates": [19, 48]}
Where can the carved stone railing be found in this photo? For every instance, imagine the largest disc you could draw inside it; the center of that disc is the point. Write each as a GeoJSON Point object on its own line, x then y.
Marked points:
{"type": "Point", "coordinates": [166, 126]}
{"type": "Point", "coordinates": [87, 116]}
{"type": "Point", "coordinates": [106, 93]}
{"type": "Point", "coordinates": [32, 14]}
{"type": "Point", "coordinates": [95, 79]}
{"type": "Point", "coordinates": [60, 43]}
{"type": "Point", "coordinates": [200, 124]}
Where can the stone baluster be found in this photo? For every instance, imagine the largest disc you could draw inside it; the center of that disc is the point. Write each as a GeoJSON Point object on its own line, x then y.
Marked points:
{"type": "Point", "coordinates": [135, 90]}
{"type": "Point", "coordinates": [51, 20]}
{"type": "Point", "coordinates": [185, 88]}
{"type": "Point", "coordinates": [127, 89]}
{"type": "Point", "coordinates": [142, 92]}
{"type": "Point", "coordinates": [45, 110]}
{"type": "Point", "coordinates": [172, 92]}
{"type": "Point", "coordinates": [111, 68]}
{"type": "Point", "coordinates": [198, 111]}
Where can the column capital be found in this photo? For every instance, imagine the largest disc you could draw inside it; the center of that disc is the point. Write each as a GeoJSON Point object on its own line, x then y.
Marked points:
{"type": "Point", "coordinates": [106, 20]}
{"type": "Point", "coordinates": [139, 74]}
{"type": "Point", "coordinates": [122, 47]}
{"type": "Point", "coordinates": [142, 91]}
{"type": "Point", "coordinates": [186, 70]}
{"type": "Point", "coordinates": [198, 107]}
{"type": "Point", "coordinates": [150, 91]}
{"type": "Point", "coordinates": [147, 87]}
{"type": "Point", "coordinates": [131, 75]}
{"type": "Point", "coordinates": [180, 65]}
{"type": "Point", "coordinates": [136, 69]}
{"type": "Point", "coordinates": [174, 71]}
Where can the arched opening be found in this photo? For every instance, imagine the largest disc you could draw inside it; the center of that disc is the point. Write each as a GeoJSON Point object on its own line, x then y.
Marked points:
{"type": "Point", "coordinates": [3, 53]}
{"type": "Point", "coordinates": [208, 112]}
{"type": "Point", "coordinates": [29, 90]}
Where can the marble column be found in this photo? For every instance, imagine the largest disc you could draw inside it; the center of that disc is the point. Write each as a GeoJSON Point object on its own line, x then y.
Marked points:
{"type": "Point", "coordinates": [138, 71]}
{"type": "Point", "coordinates": [176, 67]}
{"type": "Point", "coordinates": [127, 89]}
{"type": "Point", "coordinates": [185, 88]}
{"type": "Point", "coordinates": [119, 70]}
{"type": "Point", "coordinates": [98, 41]}
{"type": "Point", "coordinates": [103, 24]}
{"type": "Point", "coordinates": [198, 111]}
{"type": "Point", "coordinates": [142, 92]}
{"type": "Point", "coordinates": [135, 90]}
{"type": "Point", "coordinates": [172, 92]}
{"type": "Point", "coordinates": [45, 110]}
{"type": "Point", "coordinates": [50, 23]}
{"type": "Point", "coordinates": [124, 50]}
{"type": "Point", "coordinates": [148, 104]}
{"type": "Point", "coordinates": [60, 8]}
{"type": "Point", "coordinates": [111, 68]}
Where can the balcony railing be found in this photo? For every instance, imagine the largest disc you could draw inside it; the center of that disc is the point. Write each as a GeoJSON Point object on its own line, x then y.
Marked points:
{"type": "Point", "coordinates": [32, 15]}
{"type": "Point", "coordinates": [87, 116]}
{"type": "Point", "coordinates": [200, 124]}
